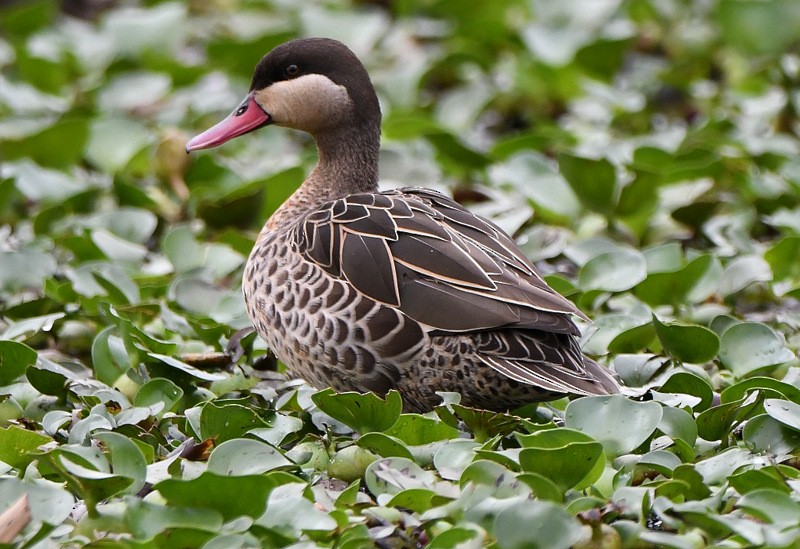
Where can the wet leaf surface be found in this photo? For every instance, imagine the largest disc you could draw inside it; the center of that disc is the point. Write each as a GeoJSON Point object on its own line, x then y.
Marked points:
{"type": "Point", "coordinates": [643, 155]}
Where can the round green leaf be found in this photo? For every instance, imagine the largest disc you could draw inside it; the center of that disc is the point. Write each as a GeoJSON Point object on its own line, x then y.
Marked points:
{"type": "Point", "coordinates": [572, 464]}
{"type": "Point", "coordinates": [127, 459]}
{"type": "Point", "coordinates": [15, 358]}
{"type": "Point", "coordinates": [361, 412]}
{"type": "Point", "coordinates": [532, 524]}
{"type": "Point", "coordinates": [750, 346]}
{"type": "Point", "coordinates": [687, 342]}
{"type": "Point", "coordinates": [241, 456]}
{"type": "Point", "coordinates": [161, 395]}
{"type": "Point", "coordinates": [613, 271]}
{"type": "Point", "coordinates": [784, 411]}
{"type": "Point", "coordinates": [621, 425]}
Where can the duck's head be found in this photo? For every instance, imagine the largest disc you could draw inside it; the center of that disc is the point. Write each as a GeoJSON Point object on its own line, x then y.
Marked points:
{"type": "Point", "coordinates": [316, 85]}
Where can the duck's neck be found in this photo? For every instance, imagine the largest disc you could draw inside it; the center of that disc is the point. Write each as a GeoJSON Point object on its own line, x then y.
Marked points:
{"type": "Point", "coordinates": [348, 163]}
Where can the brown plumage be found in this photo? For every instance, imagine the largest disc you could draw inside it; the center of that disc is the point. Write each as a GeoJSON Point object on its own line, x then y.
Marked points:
{"type": "Point", "coordinates": [370, 291]}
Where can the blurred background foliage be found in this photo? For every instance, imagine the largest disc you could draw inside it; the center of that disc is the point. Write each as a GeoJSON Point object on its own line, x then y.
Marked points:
{"type": "Point", "coordinates": [644, 153]}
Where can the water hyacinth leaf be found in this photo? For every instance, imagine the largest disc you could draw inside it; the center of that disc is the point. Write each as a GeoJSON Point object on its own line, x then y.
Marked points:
{"type": "Point", "coordinates": [687, 342]}
{"type": "Point", "coordinates": [109, 356]}
{"type": "Point", "coordinates": [188, 368]}
{"type": "Point", "coordinates": [24, 269]}
{"type": "Point", "coordinates": [594, 181]}
{"type": "Point", "coordinates": [633, 339]}
{"type": "Point", "coordinates": [535, 176]}
{"type": "Point", "coordinates": [418, 500]}
{"type": "Point", "coordinates": [766, 434]}
{"type": "Point", "coordinates": [17, 444]}
{"type": "Point", "coordinates": [113, 142]}
{"type": "Point", "coordinates": [361, 412]}
{"type": "Point", "coordinates": [503, 482]}
{"type": "Point", "coordinates": [160, 395]}
{"type": "Point", "coordinates": [415, 429]}
{"type": "Point", "coordinates": [280, 427]}
{"type": "Point", "coordinates": [750, 346]}
{"type": "Point", "coordinates": [245, 457]}
{"type": "Point", "coordinates": [715, 423]}
{"type": "Point", "coordinates": [621, 425]}
{"type": "Point", "coordinates": [350, 463]}
{"type": "Point", "coordinates": [782, 258]}
{"type": "Point", "coordinates": [675, 287]}
{"type": "Point", "coordinates": [677, 423]}
{"type": "Point", "coordinates": [573, 464]}
{"type": "Point", "coordinates": [452, 458]}
{"type": "Point", "coordinates": [770, 505]}
{"type": "Point", "coordinates": [690, 384]}
{"type": "Point", "coordinates": [384, 445]}
{"type": "Point", "coordinates": [15, 359]}
{"type": "Point", "coordinates": [738, 390]}
{"type": "Point", "coordinates": [231, 496]}
{"type": "Point", "coordinates": [289, 512]}
{"type": "Point", "coordinates": [757, 28]}
{"type": "Point", "coordinates": [227, 421]}
{"type": "Point", "coordinates": [535, 524]}
{"type": "Point", "coordinates": [393, 475]}
{"type": "Point", "coordinates": [31, 326]}
{"type": "Point", "coordinates": [785, 411]}
{"type": "Point", "coordinates": [742, 272]}
{"type": "Point", "coordinates": [93, 485]}
{"type": "Point", "coordinates": [758, 479]}
{"type": "Point", "coordinates": [60, 145]}
{"type": "Point", "coordinates": [47, 502]}
{"type": "Point", "coordinates": [613, 271]}
{"type": "Point", "coordinates": [147, 519]}
{"type": "Point", "coordinates": [127, 459]}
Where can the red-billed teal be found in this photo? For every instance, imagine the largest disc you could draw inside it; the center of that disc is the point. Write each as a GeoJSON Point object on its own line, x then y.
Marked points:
{"type": "Point", "coordinates": [364, 290]}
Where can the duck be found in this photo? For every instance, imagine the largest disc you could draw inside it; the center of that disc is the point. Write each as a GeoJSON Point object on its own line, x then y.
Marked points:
{"type": "Point", "coordinates": [365, 290]}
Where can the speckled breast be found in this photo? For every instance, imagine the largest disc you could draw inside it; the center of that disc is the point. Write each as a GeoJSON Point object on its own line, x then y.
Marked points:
{"type": "Point", "coordinates": [320, 327]}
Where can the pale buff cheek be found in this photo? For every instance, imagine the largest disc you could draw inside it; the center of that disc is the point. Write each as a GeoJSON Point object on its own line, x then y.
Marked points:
{"type": "Point", "coordinates": [307, 103]}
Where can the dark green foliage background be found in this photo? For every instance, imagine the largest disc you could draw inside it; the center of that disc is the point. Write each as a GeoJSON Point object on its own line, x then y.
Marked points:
{"type": "Point", "coordinates": [644, 153]}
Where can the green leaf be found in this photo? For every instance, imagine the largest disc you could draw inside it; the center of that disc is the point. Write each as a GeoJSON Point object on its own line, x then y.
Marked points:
{"type": "Point", "coordinates": [230, 496]}
{"type": "Point", "coordinates": [759, 27]}
{"type": "Point", "coordinates": [566, 466]}
{"type": "Point", "coordinates": [127, 459]}
{"type": "Point", "coordinates": [227, 421]}
{"type": "Point", "coordinates": [361, 412]}
{"type": "Point", "coordinates": [715, 423]}
{"type": "Point", "coordinates": [242, 456]}
{"type": "Point", "coordinates": [160, 395]}
{"type": "Point", "coordinates": [594, 181]}
{"type": "Point", "coordinates": [532, 524]}
{"type": "Point", "coordinates": [147, 519]}
{"type": "Point", "coordinates": [675, 287]}
{"type": "Point", "coordinates": [414, 429]}
{"type": "Point", "coordinates": [109, 356]}
{"type": "Point", "coordinates": [687, 342]}
{"type": "Point", "coordinates": [770, 505]}
{"type": "Point", "coordinates": [751, 346]}
{"type": "Point", "coordinates": [613, 271]}
{"type": "Point", "coordinates": [765, 434]}
{"type": "Point", "coordinates": [619, 424]}
{"type": "Point", "coordinates": [15, 359]}
{"type": "Point", "coordinates": [289, 512]}
{"type": "Point", "coordinates": [17, 444]}
{"type": "Point", "coordinates": [187, 368]}
{"type": "Point", "coordinates": [24, 269]}
{"type": "Point", "coordinates": [690, 384]}
{"type": "Point", "coordinates": [395, 474]}
{"type": "Point", "coordinates": [503, 482]}
{"type": "Point", "coordinates": [91, 484]}
{"type": "Point", "coordinates": [784, 411]}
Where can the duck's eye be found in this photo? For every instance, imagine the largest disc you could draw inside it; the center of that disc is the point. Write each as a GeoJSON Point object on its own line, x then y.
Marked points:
{"type": "Point", "coordinates": [292, 70]}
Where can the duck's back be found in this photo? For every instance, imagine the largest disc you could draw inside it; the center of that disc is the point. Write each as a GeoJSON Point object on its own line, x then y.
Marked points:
{"type": "Point", "coordinates": [406, 289]}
